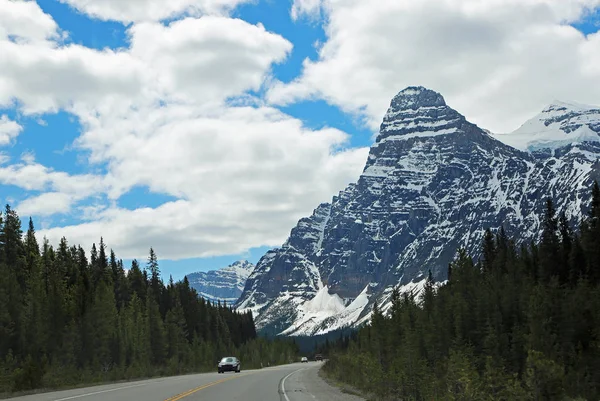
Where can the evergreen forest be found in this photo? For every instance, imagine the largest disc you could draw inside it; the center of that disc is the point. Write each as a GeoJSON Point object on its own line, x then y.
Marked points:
{"type": "Point", "coordinates": [520, 323]}
{"type": "Point", "coordinates": [66, 320]}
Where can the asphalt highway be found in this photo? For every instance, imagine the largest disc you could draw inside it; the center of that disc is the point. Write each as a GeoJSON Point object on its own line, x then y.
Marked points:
{"type": "Point", "coordinates": [294, 382]}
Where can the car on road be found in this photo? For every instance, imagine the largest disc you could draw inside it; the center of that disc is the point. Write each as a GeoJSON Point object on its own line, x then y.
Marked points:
{"type": "Point", "coordinates": [230, 364]}
{"type": "Point", "coordinates": [304, 359]}
{"type": "Point", "coordinates": [318, 357]}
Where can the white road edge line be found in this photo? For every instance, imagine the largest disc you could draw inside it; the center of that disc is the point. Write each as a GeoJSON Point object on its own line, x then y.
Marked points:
{"type": "Point", "coordinates": [283, 383]}
{"type": "Point", "coordinates": [100, 392]}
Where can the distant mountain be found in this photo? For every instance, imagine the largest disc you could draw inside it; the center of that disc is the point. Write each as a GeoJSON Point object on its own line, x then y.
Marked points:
{"type": "Point", "coordinates": [558, 125]}
{"type": "Point", "coordinates": [225, 284]}
{"type": "Point", "coordinates": [433, 182]}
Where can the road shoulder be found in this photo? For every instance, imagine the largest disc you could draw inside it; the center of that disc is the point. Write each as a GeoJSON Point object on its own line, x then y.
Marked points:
{"type": "Point", "coordinates": [309, 384]}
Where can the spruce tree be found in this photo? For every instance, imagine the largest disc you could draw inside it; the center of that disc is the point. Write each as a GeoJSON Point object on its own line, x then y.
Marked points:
{"type": "Point", "coordinates": [155, 282]}
{"type": "Point", "coordinates": [488, 250]}
{"type": "Point", "coordinates": [549, 244]}
{"type": "Point", "coordinates": [566, 244]}
{"type": "Point", "coordinates": [34, 333]}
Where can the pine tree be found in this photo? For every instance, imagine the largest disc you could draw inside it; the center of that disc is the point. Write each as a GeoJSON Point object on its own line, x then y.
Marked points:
{"type": "Point", "coordinates": [103, 327]}
{"type": "Point", "coordinates": [488, 251]}
{"type": "Point", "coordinates": [137, 282]}
{"type": "Point", "coordinates": [177, 333]}
{"type": "Point", "coordinates": [158, 341]}
{"type": "Point", "coordinates": [32, 249]}
{"type": "Point", "coordinates": [428, 294]}
{"type": "Point", "coordinates": [14, 250]}
{"type": "Point", "coordinates": [591, 236]}
{"type": "Point", "coordinates": [577, 262]}
{"type": "Point", "coordinates": [549, 245]}
{"type": "Point", "coordinates": [566, 244]}
{"type": "Point", "coordinates": [155, 282]}
{"type": "Point", "coordinates": [56, 302]}
{"type": "Point", "coordinates": [34, 333]}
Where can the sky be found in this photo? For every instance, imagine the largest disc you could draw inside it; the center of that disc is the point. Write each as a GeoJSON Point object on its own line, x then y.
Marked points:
{"type": "Point", "coordinates": [207, 128]}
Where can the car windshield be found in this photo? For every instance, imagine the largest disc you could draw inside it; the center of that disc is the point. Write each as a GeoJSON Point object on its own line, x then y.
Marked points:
{"type": "Point", "coordinates": [227, 360]}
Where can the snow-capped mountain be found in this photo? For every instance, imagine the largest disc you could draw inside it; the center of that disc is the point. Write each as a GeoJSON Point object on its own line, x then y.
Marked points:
{"type": "Point", "coordinates": [558, 125]}
{"type": "Point", "coordinates": [225, 284]}
{"type": "Point", "coordinates": [433, 182]}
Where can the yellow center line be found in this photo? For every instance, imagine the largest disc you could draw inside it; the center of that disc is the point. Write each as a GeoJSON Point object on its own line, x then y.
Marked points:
{"type": "Point", "coordinates": [192, 391]}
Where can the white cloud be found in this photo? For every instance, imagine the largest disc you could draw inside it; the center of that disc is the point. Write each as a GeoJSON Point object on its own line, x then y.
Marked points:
{"type": "Point", "coordinates": [32, 176]}
{"type": "Point", "coordinates": [311, 8]}
{"type": "Point", "coordinates": [244, 176]}
{"type": "Point", "coordinates": [159, 114]}
{"type": "Point", "coordinates": [498, 62]}
{"type": "Point", "coordinates": [46, 204]}
{"type": "Point", "coordinates": [150, 10]}
{"type": "Point", "coordinates": [48, 78]}
{"type": "Point", "coordinates": [24, 21]}
{"type": "Point", "coordinates": [207, 59]}
{"type": "Point", "coordinates": [203, 60]}
{"type": "Point", "coordinates": [8, 130]}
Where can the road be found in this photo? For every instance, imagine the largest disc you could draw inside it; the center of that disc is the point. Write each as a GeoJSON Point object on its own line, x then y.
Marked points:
{"type": "Point", "coordinates": [294, 382]}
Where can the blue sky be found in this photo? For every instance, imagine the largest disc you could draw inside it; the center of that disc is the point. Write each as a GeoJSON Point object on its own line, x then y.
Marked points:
{"type": "Point", "coordinates": [55, 140]}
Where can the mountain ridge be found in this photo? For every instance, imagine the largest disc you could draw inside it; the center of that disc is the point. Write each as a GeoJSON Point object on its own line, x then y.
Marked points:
{"type": "Point", "coordinates": [432, 183]}
{"type": "Point", "coordinates": [225, 284]}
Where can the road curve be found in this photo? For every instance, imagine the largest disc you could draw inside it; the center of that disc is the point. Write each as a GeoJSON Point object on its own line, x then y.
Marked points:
{"type": "Point", "coordinates": [294, 382]}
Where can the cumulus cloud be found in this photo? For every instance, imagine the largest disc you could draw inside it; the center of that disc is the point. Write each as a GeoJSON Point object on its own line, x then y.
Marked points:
{"type": "Point", "coordinates": [208, 58]}
{"type": "Point", "coordinates": [43, 75]}
{"type": "Point", "coordinates": [47, 79]}
{"type": "Point", "coordinates": [150, 10]}
{"type": "Point", "coordinates": [24, 21]}
{"type": "Point", "coordinates": [172, 113]}
{"type": "Point", "coordinates": [46, 204]}
{"type": "Point", "coordinates": [32, 176]}
{"type": "Point", "coordinates": [244, 176]}
{"type": "Point", "coordinates": [8, 130]}
{"type": "Point", "coordinates": [498, 61]}
{"type": "Point", "coordinates": [204, 60]}
{"type": "Point", "coordinates": [311, 8]}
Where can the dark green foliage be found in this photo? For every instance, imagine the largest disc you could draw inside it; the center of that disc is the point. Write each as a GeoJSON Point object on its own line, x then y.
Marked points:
{"type": "Point", "coordinates": [520, 324]}
{"type": "Point", "coordinates": [65, 320]}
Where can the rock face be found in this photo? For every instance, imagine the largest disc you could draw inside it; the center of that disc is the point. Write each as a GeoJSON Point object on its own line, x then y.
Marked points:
{"type": "Point", "coordinates": [225, 284]}
{"type": "Point", "coordinates": [433, 182]}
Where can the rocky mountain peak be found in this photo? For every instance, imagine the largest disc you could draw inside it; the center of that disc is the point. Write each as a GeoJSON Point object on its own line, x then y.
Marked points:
{"type": "Point", "coordinates": [241, 264]}
{"type": "Point", "coordinates": [418, 111]}
{"type": "Point", "coordinates": [415, 97]}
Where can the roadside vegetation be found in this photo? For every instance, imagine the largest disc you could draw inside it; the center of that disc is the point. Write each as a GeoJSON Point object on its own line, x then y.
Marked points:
{"type": "Point", "coordinates": [67, 321]}
{"type": "Point", "coordinates": [522, 323]}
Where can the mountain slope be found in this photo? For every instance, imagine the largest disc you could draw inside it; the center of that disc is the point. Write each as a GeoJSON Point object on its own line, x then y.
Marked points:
{"type": "Point", "coordinates": [225, 284]}
{"type": "Point", "coordinates": [433, 182]}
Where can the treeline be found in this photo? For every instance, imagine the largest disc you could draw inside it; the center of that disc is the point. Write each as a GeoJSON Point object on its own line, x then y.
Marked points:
{"type": "Point", "coordinates": [67, 320]}
{"type": "Point", "coordinates": [522, 323]}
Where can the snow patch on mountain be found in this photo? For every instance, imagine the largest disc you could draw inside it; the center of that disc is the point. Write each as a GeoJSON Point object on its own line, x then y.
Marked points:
{"type": "Point", "coordinates": [326, 312]}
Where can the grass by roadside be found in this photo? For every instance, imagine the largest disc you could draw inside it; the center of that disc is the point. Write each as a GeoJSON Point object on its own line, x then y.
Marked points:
{"type": "Point", "coordinates": [344, 387]}
{"type": "Point", "coordinates": [4, 396]}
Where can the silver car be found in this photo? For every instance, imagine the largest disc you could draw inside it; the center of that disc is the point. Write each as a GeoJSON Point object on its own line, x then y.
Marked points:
{"type": "Point", "coordinates": [230, 364]}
